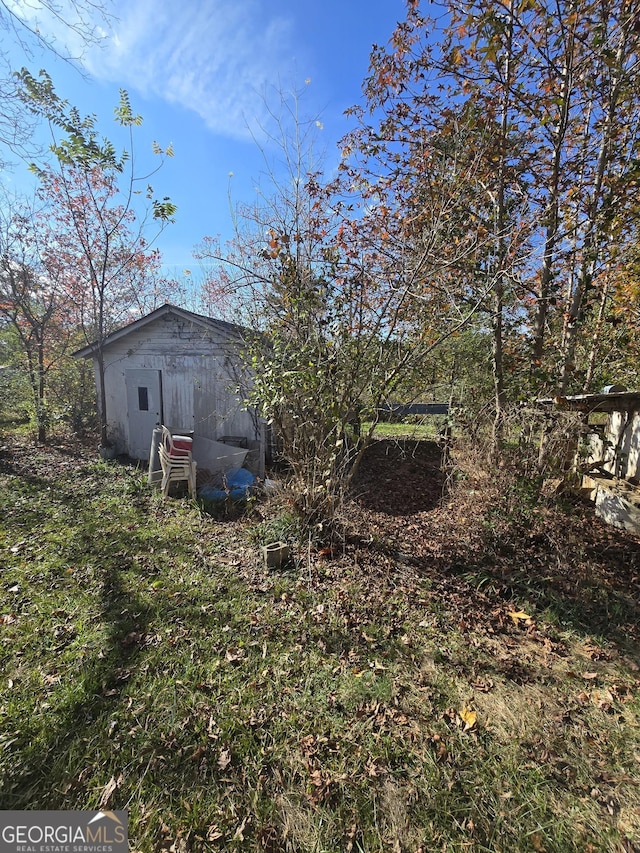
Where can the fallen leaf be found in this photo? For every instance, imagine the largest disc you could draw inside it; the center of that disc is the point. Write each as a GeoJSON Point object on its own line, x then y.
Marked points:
{"type": "Point", "coordinates": [595, 652]}
{"type": "Point", "coordinates": [468, 717]}
{"type": "Point", "coordinates": [109, 790]}
{"type": "Point", "coordinates": [198, 753]}
{"type": "Point", "coordinates": [536, 841]}
{"type": "Point", "coordinates": [224, 760]}
{"type": "Point", "coordinates": [234, 655]}
{"type": "Point", "coordinates": [519, 616]}
{"type": "Point", "coordinates": [316, 778]}
{"type": "Point", "coordinates": [483, 685]}
{"type": "Point", "coordinates": [239, 833]}
{"type": "Point", "coordinates": [213, 833]}
{"type": "Point", "coordinates": [612, 805]}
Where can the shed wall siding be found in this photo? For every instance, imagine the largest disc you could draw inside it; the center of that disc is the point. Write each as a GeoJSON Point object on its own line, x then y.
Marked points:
{"type": "Point", "coordinates": [623, 433]}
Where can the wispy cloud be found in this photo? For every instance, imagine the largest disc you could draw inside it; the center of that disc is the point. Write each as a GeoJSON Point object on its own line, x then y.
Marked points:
{"type": "Point", "coordinates": [215, 57]}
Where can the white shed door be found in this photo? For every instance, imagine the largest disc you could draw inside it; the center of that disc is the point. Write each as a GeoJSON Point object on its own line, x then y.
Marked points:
{"type": "Point", "coordinates": [144, 407]}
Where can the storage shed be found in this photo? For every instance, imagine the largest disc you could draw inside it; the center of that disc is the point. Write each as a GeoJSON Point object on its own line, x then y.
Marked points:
{"type": "Point", "coordinates": [183, 370]}
{"type": "Point", "coordinates": [609, 460]}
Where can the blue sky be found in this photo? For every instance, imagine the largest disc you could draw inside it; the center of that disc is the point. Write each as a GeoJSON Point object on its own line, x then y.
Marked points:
{"type": "Point", "coordinates": [197, 71]}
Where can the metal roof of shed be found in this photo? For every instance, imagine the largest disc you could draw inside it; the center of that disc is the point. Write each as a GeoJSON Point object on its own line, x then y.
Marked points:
{"type": "Point", "coordinates": [616, 401]}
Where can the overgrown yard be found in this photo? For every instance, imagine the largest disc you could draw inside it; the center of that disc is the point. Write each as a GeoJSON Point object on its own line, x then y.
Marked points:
{"type": "Point", "coordinates": [463, 677]}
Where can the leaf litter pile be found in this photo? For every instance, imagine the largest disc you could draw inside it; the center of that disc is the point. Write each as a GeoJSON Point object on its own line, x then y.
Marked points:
{"type": "Point", "coordinates": [463, 675]}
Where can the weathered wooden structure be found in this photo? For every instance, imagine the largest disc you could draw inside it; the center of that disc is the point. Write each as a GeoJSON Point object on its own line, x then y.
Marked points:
{"type": "Point", "coordinates": [183, 370]}
{"type": "Point", "coordinates": [609, 461]}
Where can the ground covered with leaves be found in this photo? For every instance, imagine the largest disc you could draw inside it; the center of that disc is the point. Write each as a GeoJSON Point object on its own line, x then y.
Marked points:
{"type": "Point", "coordinates": [462, 676]}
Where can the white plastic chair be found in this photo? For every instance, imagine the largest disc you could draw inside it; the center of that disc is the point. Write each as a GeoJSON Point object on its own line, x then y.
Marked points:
{"type": "Point", "coordinates": [177, 464]}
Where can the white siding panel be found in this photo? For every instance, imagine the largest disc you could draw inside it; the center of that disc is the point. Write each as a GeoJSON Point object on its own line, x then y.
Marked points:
{"type": "Point", "coordinates": [177, 388]}
{"type": "Point", "coordinates": [623, 433]}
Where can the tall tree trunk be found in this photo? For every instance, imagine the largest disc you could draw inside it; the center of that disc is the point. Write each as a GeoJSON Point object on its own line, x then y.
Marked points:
{"type": "Point", "coordinates": [593, 231]}
{"type": "Point", "coordinates": [551, 216]}
{"type": "Point", "coordinates": [41, 410]}
{"type": "Point", "coordinates": [500, 396]}
{"type": "Point", "coordinates": [102, 398]}
{"type": "Point", "coordinates": [595, 340]}
{"type": "Point", "coordinates": [37, 387]}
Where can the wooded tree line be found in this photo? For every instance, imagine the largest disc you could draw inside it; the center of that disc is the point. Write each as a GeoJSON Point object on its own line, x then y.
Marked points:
{"type": "Point", "coordinates": [502, 138]}
{"type": "Point", "coordinates": [478, 240]}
